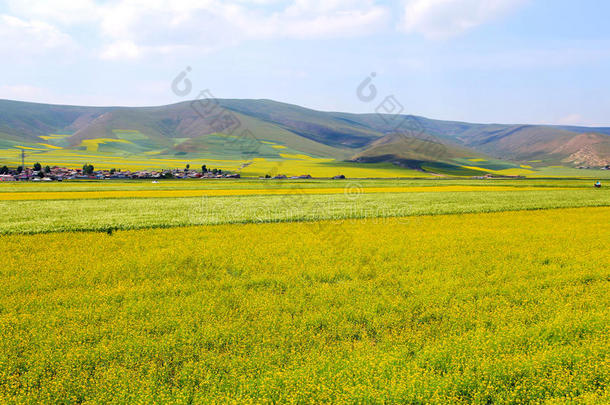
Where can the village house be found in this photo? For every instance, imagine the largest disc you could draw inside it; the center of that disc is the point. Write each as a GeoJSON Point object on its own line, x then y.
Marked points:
{"type": "Point", "coordinates": [63, 173]}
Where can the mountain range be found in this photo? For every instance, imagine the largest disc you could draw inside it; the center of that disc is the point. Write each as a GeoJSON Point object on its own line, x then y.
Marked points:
{"type": "Point", "coordinates": [230, 128]}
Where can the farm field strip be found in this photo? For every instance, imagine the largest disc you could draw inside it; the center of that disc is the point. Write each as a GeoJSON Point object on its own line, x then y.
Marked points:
{"type": "Point", "coordinates": [290, 165]}
{"type": "Point", "coordinates": [507, 307]}
{"type": "Point", "coordinates": [79, 195]}
{"type": "Point", "coordinates": [247, 184]}
{"type": "Point", "coordinates": [134, 213]}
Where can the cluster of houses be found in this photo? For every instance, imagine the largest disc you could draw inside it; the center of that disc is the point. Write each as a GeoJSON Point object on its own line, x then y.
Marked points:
{"type": "Point", "coordinates": [283, 177]}
{"type": "Point", "coordinates": [606, 167]}
{"type": "Point", "coordinates": [57, 173]}
{"type": "Point", "coordinates": [490, 176]}
{"type": "Point", "coordinates": [304, 176]}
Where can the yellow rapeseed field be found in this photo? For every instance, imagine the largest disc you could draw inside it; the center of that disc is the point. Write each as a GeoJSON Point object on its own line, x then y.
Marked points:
{"type": "Point", "coordinates": [503, 172]}
{"type": "Point", "coordinates": [453, 309]}
{"type": "Point", "coordinates": [46, 145]}
{"type": "Point", "coordinates": [93, 145]}
{"type": "Point", "coordinates": [77, 195]}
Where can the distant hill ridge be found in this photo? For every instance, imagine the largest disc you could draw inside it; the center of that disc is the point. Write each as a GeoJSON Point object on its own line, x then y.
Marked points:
{"type": "Point", "coordinates": [186, 128]}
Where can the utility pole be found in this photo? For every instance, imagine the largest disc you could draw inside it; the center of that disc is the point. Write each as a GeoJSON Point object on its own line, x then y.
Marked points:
{"type": "Point", "coordinates": [23, 164]}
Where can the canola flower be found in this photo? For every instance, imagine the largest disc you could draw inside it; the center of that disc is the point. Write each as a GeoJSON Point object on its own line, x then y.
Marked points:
{"type": "Point", "coordinates": [133, 213]}
{"type": "Point", "coordinates": [49, 146]}
{"type": "Point", "coordinates": [53, 137]}
{"type": "Point", "coordinates": [504, 172]}
{"type": "Point", "coordinates": [290, 164]}
{"type": "Point", "coordinates": [505, 307]}
{"type": "Point", "coordinates": [92, 145]}
{"type": "Point", "coordinates": [79, 195]}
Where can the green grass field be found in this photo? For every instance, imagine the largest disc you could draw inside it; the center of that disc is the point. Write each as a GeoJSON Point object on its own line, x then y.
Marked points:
{"type": "Point", "coordinates": [216, 184]}
{"type": "Point", "coordinates": [305, 291]}
{"type": "Point", "coordinates": [349, 200]}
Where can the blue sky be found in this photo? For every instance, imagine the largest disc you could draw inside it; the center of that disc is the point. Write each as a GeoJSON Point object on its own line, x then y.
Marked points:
{"type": "Point", "coordinates": [508, 61]}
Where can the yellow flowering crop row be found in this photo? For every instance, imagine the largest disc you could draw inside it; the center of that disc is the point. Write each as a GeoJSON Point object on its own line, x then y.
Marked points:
{"type": "Point", "coordinates": [77, 195]}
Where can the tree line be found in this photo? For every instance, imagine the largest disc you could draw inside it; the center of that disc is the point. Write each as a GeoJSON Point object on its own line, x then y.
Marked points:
{"type": "Point", "coordinates": [89, 169]}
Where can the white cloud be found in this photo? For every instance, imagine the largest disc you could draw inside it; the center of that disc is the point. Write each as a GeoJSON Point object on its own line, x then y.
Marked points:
{"type": "Point", "coordinates": [439, 19]}
{"type": "Point", "coordinates": [135, 28]}
{"type": "Point", "coordinates": [56, 11]}
{"type": "Point", "coordinates": [21, 36]}
{"type": "Point", "coordinates": [211, 23]}
{"type": "Point", "coordinates": [121, 50]}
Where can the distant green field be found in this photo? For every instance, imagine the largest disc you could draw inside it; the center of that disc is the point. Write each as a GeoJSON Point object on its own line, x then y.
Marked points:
{"type": "Point", "coordinates": [281, 162]}
{"type": "Point", "coordinates": [132, 150]}
{"type": "Point", "coordinates": [225, 184]}
{"type": "Point", "coordinates": [353, 202]}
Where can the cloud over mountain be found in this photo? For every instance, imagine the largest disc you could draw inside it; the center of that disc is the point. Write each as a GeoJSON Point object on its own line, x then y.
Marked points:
{"type": "Point", "coordinates": [438, 19]}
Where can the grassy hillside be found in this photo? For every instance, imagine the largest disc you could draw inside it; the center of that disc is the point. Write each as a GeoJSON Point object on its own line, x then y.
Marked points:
{"type": "Point", "coordinates": [234, 133]}
{"type": "Point", "coordinates": [544, 145]}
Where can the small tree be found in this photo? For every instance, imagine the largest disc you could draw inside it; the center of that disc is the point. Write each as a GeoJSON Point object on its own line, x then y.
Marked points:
{"type": "Point", "coordinates": [47, 169]}
{"type": "Point", "coordinates": [37, 167]}
{"type": "Point", "coordinates": [112, 171]}
{"type": "Point", "coordinates": [4, 170]}
{"type": "Point", "coordinates": [88, 169]}
{"type": "Point", "coordinates": [204, 169]}
{"type": "Point", "coordinates": [19, 169]}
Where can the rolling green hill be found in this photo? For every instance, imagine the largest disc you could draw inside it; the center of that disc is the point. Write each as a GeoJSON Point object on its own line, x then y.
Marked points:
{"type": "Point", "coordinates": [243, 130]}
